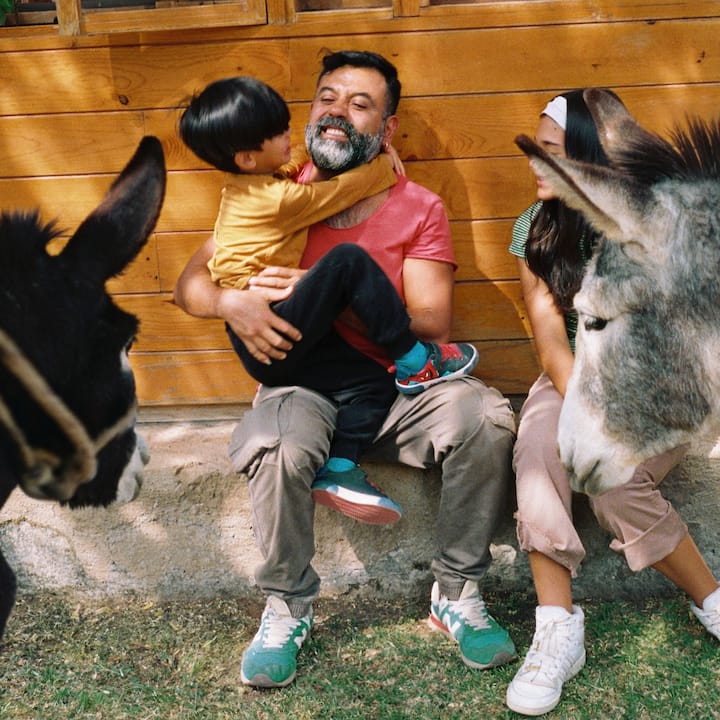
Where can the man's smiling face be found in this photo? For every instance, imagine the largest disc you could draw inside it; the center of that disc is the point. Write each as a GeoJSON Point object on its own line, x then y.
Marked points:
{"type": "Point", "coordinates": [347, 124]}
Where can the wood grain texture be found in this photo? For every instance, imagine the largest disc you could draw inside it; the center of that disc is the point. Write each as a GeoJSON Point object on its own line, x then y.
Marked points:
{"type": "Point", "coordinates": [477, 125]}
{"type": "Point", "coordinates": [474, 76]}
{"type": "Point", "coordinates": [201, 378]}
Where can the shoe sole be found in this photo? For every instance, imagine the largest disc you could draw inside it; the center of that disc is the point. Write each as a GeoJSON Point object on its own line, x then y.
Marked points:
{"type": "Point", "coordinates": [501, 658]}
{"type": "Point", "coordinates": [516, 704]}
{"type": "Point", "coordinates": [370, 514]}
{"type": "Point", "coordinates": [265, 681]}
{"type": "Point", "coordinates": [417, 388]}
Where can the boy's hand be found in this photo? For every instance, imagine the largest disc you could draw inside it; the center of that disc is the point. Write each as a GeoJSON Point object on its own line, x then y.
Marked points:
{"type": "Point", "coordinates": [397, 163]}
{"type": "Point", "coordinates": [275, 283]}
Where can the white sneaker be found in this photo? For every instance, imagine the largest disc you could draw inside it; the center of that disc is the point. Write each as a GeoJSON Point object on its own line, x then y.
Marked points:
{"type": "Point", "coordinates": [709, 613]}
{"type": "Point", "coordinates": [557, 653]}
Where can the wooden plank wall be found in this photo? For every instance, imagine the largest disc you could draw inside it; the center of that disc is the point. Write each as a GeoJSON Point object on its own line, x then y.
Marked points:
{"type": "Point", "coordinates": [473, 76]}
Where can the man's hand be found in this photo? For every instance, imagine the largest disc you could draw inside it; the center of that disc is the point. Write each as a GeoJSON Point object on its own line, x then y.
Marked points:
{"type": "Point", "coordinates": [266, 336]}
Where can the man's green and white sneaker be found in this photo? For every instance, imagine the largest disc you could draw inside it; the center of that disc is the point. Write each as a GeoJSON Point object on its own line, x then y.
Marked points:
{"type": "Point", "coordinates": [483, 643]}
{"type": "Point", "coordinates": [271, 658]}
{"type": "Point", "coordinates": [709, 613]}
{"type": "Point", "coordinates": [557, 653]}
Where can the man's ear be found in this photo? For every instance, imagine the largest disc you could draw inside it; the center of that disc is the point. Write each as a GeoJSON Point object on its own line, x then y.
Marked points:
{"type": "Point", "coordinates": [391, 126]}
{"type": "Point", "coordinates": [245, 160]}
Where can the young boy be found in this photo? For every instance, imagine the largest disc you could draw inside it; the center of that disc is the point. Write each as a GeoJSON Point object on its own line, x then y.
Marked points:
{"type": "Point", "coordinates": [242, 126]}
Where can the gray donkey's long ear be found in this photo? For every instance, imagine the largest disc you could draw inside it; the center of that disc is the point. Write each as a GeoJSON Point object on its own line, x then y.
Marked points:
{"type": "Point", "coordinates": [618, 130]}
{"type": "Point", "coordinates": [612, 203]}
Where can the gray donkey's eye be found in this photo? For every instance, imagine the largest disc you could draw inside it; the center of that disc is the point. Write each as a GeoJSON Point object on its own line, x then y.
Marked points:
{"type": "Point", "coordinates": [594, 323]}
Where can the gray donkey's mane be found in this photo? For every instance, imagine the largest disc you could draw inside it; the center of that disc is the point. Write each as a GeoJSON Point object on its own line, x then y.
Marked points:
{"type": "Point", "coordinates": [693, 154]}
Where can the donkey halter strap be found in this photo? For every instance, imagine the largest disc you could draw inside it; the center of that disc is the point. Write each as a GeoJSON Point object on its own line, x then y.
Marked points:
{"type": "Point", "coordinates": [43, 467]}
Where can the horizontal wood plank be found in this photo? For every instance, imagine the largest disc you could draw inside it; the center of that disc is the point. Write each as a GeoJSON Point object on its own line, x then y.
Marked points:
{"type": "Point", "coordinates": [481, 251]}
{"type": "Point", "coordinates": [142, 275]}
{"type": "Point", "coordinates": [483, 311]}
{"type": "Point", "coordinates": [471, 189]}
{"type": "Point", "coordinates": [174, 250]}
{"type": "Point", "coordinates": [161, 76]}
{"type": "Point", "coordinates": [489, 311]}
{"type": "Point", "coordinates": [479, 125]}
{"type": "Point", "coordinates": [201, 378]}
{"type": "Point", "coordinates": [120, 77]}
{"type": "Point", "coordinates": [186, 378]}
{"type": "Point", "coordinates": [483, 14]}
{"type": "Point", "coordinates": [610, 54]}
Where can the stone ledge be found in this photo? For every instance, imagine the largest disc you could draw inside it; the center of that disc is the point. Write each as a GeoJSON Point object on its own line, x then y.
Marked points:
{"type": "Point", "coordinates": [189, 533]}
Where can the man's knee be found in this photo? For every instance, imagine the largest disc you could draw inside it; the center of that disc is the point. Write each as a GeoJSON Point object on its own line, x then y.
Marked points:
{"type": "Point", "coordinates": [289, 430]}
{"type": "Point", "coordinates": [347, 251]}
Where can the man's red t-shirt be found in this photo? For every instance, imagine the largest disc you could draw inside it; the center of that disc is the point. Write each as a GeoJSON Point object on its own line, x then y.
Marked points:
{"type": "Point", "coordinates": [411, 223]}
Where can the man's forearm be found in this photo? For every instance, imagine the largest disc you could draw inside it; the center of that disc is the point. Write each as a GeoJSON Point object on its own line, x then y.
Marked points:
{"type": "Point", "coordinates": [195, 291]}
{"type": "Point", "coordinates": [197, 295]}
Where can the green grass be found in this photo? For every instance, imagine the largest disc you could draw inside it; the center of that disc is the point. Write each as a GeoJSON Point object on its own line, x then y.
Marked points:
{"type": "Point", "coordinates": [364, 660]}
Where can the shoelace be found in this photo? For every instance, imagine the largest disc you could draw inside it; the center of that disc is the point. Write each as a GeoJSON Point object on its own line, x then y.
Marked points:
{"type": "Point", "coordinates": [375, 487]}
{"type": "Point", "coordinates": [473, 611]}
{"type": "Point", "coordinates": [712, 619]}
{"type": "Point", "coordinates": [277, 630]}
{"type": "Point", "coordinates": [547, 658]}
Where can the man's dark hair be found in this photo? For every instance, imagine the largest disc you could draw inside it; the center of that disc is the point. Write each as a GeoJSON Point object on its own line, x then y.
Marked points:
{"type": "Point", "coordinates": [366, 59]}
{"type": "Point", "coordinates": [230, 115]}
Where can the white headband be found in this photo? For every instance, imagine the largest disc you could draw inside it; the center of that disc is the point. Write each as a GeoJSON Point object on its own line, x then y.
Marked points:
{"type": "Point", "coordinates": [557, 110]}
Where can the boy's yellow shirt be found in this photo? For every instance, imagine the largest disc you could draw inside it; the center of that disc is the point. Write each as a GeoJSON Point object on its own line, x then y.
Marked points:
{"type": "Point", "coordinates": [263, 219]}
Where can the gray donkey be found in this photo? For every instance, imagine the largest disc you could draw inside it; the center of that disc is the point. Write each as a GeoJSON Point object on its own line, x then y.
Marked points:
{"type": "Point", "coordinates": [647, 368]}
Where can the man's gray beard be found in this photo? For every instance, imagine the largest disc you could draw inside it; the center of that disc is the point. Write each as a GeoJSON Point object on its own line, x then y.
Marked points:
{"type": "Point", "coordinates": [338, 156]}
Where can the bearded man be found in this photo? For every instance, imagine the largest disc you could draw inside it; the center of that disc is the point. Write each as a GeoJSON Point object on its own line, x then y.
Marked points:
{"type": "Point", "coordinates": [464, 427]}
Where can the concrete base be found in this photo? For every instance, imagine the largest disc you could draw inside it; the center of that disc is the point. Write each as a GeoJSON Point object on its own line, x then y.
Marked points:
{"type": "Point", "coordinates": [189, 534]}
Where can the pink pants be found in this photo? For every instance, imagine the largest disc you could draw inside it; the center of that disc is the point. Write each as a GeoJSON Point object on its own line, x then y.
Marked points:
{"type": "Point", "coordinates": [645, 526]}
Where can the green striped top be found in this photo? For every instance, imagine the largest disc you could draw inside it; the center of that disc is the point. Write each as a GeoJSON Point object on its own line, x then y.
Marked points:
{"type": "Point", "coordinates": [521, 229]}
